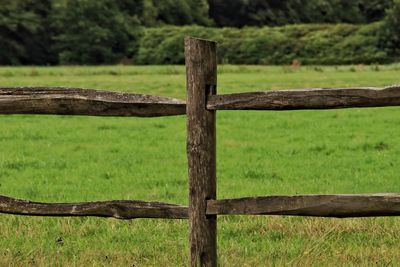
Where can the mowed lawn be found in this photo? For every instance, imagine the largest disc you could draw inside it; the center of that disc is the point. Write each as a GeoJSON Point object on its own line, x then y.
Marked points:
{"type": "Point", "coordinates": [64, 159]}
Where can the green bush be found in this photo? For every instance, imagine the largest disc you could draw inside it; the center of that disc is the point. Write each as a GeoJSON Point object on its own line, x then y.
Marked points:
{"type": "Point", "coordinates": [319, 44]}
{"type": "Point", "coordinates": [390, 34]}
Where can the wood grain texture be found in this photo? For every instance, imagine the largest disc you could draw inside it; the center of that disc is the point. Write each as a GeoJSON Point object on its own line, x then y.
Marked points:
{"type": "Point", "coordinates": [307, 99]}
{"type": "Point", "coordinates": [75, 101]}
{"type": "Point", "coordinates": [339, 206]}
{"type": "Point", "coordinates": [201, 71]}
{"type": "Point", "coordinates": [119, 209]}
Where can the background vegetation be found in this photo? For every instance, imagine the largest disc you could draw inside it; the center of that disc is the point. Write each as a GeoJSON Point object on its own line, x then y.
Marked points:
{"type": "Point", "coordinates": [67, 158]}
{"type": "Point", "coordinates": [298, 44]}
{"type": "Point", "coordinates": [93, 32]}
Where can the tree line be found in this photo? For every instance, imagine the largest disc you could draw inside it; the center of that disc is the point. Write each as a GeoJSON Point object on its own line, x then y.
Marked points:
{"type": "Point", "coordinates": [49, 32]}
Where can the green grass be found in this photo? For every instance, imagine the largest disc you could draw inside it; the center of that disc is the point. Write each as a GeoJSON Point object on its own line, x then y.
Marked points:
{"type": "Point", "coordinates": [49, 158]}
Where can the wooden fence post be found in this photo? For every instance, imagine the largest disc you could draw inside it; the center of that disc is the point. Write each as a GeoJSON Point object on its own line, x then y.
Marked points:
{"type": "Point", "coordinates": [201, 72]}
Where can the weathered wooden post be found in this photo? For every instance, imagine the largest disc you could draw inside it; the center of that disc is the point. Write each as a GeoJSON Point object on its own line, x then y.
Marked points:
{"type": "Point", "coordinates": [201, 72]}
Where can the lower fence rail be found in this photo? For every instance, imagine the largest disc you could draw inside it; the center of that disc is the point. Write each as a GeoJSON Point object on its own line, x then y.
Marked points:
{"type": "Point", "coordinates": [119, 209]}
{"type": "Point", "coordinates": [338, 206]}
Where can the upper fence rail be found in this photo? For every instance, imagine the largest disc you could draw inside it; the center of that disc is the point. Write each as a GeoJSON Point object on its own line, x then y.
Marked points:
{"type": "Point", "coordinates": [307, 99]}
{"type": "Point", "coordinates": [90, 102]}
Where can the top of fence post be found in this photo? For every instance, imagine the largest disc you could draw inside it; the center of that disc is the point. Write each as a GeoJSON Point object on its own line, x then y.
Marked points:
{"type": "Point", "coordinates": [201, 71]}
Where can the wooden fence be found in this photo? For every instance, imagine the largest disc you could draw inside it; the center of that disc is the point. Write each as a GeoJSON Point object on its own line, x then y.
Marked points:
{"type": "Point", "coordinates": [200, 109]}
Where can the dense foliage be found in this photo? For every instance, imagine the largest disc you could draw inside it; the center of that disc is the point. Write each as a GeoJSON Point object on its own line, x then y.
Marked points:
{"type": "Point", "coordinates": [390, 37]}
{"type": "Point", "coordinates": [46, 32]}
{"type": "Point", "coordinates": [240, 13]}
{"type": "Point", "coordinates": [175, 12]}
{"type": "Point", "coordinates": [95, 32]}
{"type": "Point", "coordinates": [25, 32]}
{"type": "Point", "coordinates": [308, 44]}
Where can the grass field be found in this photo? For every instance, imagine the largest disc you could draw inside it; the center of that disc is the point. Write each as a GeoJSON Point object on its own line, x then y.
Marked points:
{"type": "Point", "coordinates": [49, 158]}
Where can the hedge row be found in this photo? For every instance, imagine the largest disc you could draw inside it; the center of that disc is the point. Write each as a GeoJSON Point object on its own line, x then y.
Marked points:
{"type": "Point", "coordinates": [310, 44]}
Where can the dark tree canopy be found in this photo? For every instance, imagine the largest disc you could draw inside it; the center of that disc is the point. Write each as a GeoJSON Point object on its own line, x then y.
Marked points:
{"type": "Point", "coordinates": [25, 35]}
{"type": "Point", "coordinates": [239, 13]}
{"type": "Point", "coordinates": [94, 32]}
{"type": "Point", "coordinates": [390, 36]}
{"type": "Point", "coordinates": [176, 12]}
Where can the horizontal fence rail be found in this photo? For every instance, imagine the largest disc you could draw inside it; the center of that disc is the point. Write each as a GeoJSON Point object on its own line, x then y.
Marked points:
{"type": "Point", "coordinates": [339, 206]}
{"type": "Point", "coordinates": [90, 102]}
{"type": "Point", "coordinates": [307, 99]}
{"type": "Point", "coordinates": [119, 209]}
{"type": "Point", "coordinates": [76, 101]}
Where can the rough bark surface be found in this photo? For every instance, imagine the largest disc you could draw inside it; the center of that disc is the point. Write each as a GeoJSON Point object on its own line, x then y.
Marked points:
{"type": "Point", "coordinates": [119, 209]}
{"type": "Point", "coordinates": [75, 101]}
{"type": "Point", "coordinates": [201, 70]}
{"type": "Point", "coordinates": [339, 206]}
{"type": "Point", "coordinates": [307, 99]}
